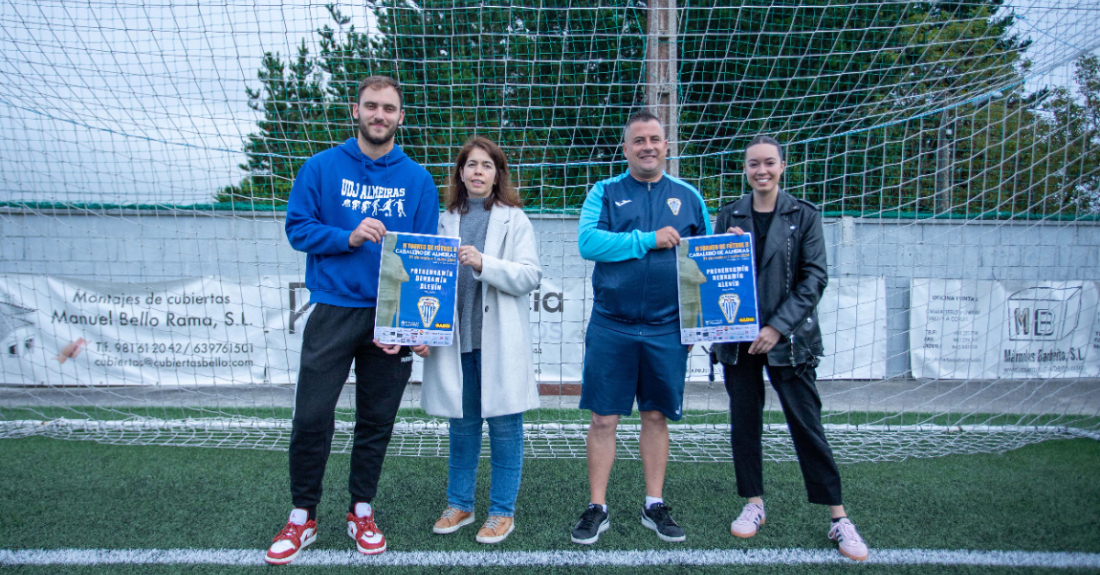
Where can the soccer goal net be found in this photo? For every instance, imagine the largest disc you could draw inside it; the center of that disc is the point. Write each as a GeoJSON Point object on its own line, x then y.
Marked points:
{"type": "Point", "coordinates": [147, 150]}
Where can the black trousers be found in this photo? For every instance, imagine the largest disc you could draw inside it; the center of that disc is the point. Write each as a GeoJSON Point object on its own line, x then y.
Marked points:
{"type": "Point", "coordinates": [333, 337]}
{"type": "Point", "coordinates": [801, 405]}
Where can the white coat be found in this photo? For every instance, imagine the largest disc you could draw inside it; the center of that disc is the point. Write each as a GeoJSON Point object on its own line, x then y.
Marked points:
{"type": "Point", "coordinates": [510, 270]}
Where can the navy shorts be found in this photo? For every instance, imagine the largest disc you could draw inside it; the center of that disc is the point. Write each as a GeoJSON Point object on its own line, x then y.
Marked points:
{"type": "Point", "coordinates": [621, 366]}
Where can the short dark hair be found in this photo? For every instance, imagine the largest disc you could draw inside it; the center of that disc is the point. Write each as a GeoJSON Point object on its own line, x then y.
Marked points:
{"type": "Point", "coordinates": [642, 116]}
{"type": "Point", "coordinates": [378, 83]}
{"type": "Point", "coordinates": [770, 141]}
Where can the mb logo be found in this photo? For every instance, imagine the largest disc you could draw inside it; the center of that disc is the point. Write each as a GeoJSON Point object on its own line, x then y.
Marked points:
{"type": "Point", "coordinates": [1043, 313]}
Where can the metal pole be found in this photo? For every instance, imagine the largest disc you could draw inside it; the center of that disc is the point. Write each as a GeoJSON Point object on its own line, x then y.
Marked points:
{"type": "Point", "coordinates": [662, 74]}
{"type": "Point", "coordinates": [945, 140]}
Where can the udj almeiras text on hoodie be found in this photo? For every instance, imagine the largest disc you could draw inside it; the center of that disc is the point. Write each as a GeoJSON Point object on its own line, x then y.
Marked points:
{"type": "Point", "coordinates": [333, 192]}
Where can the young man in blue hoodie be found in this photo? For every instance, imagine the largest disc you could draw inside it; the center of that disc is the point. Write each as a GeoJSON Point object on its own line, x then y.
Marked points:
{"type": "Point", "coordinates": [342, 203]}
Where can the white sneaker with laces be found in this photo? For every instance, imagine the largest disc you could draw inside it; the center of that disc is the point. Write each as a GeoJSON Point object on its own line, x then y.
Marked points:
{"type": "Point", "coordinates": [746, 524]}
{"type": "Point", "coordinates": [849, 542]}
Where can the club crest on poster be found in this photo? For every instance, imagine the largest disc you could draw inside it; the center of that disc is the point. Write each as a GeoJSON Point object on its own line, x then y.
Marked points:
{"type": "Point", "coordinates": [729, 302]}
{"type": "Point", "coordinates": [428, 306]}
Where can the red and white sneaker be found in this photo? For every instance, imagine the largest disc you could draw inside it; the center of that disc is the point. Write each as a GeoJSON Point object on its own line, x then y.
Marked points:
{"type": "Point", "coordinates": [849, 543]}
{"type": "Point", "coordinates": [292, 539]}
{"type": "Point", "coordinates": [368, 539]}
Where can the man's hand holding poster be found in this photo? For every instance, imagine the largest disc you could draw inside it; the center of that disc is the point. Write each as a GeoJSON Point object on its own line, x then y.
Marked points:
{"type": "Point", "coordinates": [717, 280]}
{"type": "Point", "coordinates": [417, 290]}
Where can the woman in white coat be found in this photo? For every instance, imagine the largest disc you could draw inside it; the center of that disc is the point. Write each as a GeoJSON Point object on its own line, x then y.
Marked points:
{"type": "Point", "coordinates": [488, 372]}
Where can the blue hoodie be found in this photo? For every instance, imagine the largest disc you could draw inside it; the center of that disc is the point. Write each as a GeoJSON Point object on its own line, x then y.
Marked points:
{"type": "Point", "coordinates": [334, 191]}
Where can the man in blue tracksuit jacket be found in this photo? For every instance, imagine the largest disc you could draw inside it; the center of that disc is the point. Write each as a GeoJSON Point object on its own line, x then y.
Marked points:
{"type": "Point", "coordinates": [628, 226]}
{"type": "Point", "coordinates": [343, 202]}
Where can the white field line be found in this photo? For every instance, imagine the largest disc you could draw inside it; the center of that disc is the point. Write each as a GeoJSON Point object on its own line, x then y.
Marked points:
{"type": "Point", "coordinates": [246, 557]}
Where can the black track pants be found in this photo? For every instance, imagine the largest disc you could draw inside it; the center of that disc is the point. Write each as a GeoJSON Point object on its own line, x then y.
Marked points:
{"type": "Point", "coordinates": [801, 405]}
{"type": "Point", "coordinates": [333, 337]}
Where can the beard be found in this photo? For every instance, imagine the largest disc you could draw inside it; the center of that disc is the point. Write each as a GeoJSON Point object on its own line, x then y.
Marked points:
{"type": "Point", "coordinates": [375, 141]}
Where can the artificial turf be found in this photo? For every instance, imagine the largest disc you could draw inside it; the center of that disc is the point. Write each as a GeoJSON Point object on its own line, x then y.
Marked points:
{"type": "Point", "coordinates": [74, 494]}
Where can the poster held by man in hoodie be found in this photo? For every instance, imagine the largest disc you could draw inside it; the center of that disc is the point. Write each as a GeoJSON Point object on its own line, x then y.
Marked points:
{"type": "Point", "coordinates": [717, 289]}
{"type": "Point", "coordinates": [417, 287]}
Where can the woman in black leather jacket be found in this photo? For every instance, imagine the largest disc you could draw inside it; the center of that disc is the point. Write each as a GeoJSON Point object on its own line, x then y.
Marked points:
{"type": "Point", "coordinates": [789, 247]}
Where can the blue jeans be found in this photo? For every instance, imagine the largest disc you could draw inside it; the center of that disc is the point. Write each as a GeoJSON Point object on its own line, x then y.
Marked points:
{"type": "Point", "coordinates": [505, 448]}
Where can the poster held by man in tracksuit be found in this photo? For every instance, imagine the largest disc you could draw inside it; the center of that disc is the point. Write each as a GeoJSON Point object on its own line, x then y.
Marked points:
{"type": "Point", "coordinates": [717, 289]}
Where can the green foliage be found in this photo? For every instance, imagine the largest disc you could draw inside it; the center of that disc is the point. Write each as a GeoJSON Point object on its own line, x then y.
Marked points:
{"type": "Point", "coordinates": [974, 134]}
{"type": "Point", "coordinates": [803, 72]}
{"type": "Point", "coordinates": [857, 89]}
{"type": "Point", "coordinates": [864, 91]}
{"type": "Point", "coordinates": [1074, 145]}
{"type": "Point", "coordinates": [293, 128]}
{"type": "Point", "coordinates": [550, 86]}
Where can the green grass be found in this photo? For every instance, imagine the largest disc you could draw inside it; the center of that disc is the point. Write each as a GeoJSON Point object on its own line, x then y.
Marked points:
{"type": "Point", "coordinates": [70, 494]}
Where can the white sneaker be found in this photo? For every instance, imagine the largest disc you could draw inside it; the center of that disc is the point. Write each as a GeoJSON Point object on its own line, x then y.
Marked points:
{"type": "Point", "coordinates": [751, 518]}
{"type": "Point", "coordinates": [849, 542]}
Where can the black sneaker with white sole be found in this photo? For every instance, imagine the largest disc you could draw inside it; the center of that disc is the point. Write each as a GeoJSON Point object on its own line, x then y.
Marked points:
{"type": "Point", "coordinates": [656, 517]}
{"type": "Point", "coordinates": [593, 521]}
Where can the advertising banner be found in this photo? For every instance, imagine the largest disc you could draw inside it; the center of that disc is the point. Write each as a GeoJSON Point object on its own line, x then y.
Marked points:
{"type": "Point", "coordinates": [717, 289]}
{"type": "Point", "coordinates": [852, 314]}
{"type": "Point", "coordinates": [560, 309]}
{"type": "Point", "coordinates": [417, 289]}
{"type": "Point", "coordinates": [971, 329]}
{"type": "Point", "coordinates": [214, 331]}
{"type": "Point", "coordinates": [56, 331]}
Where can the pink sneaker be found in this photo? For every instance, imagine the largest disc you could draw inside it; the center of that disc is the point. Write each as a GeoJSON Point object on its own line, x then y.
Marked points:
{"type": "Point", "coordinates": [849, 542]}
{"type": "Point", "coordinates": [751, 518]}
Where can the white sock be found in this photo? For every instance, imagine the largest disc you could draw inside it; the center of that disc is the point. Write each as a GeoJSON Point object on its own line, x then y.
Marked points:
{"type": "Point", "coordinates": [651, 501]}
{"type": "Point", "coordinates": [299, 516]}
{"type": "Point", "coordinates": [362, 509]}
{"type": "Point", "coordinates": [603, 506]}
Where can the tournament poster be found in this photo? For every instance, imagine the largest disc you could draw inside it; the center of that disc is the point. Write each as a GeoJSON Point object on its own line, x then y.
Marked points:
{"type": "Point", "coordinates": [717, 289]}
{"type": "Point", "coordinates": [417, 290]}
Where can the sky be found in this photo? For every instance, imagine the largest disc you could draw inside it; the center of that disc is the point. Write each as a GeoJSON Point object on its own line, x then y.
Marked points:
{"type": "Point", "coordinates": [122, 102]}
{"type": "Point", "coordinates": [117, 102]}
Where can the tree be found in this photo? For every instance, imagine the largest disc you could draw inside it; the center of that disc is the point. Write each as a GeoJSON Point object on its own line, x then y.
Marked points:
{"type": "Point", "coordinates": [865, 92]}
{"type": "Point", "coordinates": [967, 127]}
{"type": "Point", "coordinates": [1074, 142]}
{"type": "Point", "coordinates": [855, 88]}
{"type": "Point", "coordinates": [552, 85]}
{"type": "Point", "coordinates": [293, 128]}
{"type": "Point", "coordinates": [803, 72]}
